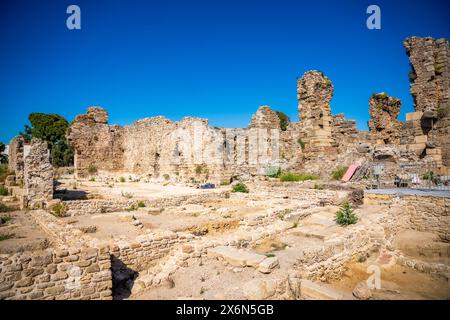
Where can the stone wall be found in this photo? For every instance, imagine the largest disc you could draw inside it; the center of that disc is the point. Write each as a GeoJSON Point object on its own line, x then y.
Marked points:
{"type": "Point", "coordinates": [422, 213]}
{"type": "Point", "coordinates": [74, 268]}
{"type": "Point", "coordinates": [189, 149]}
{"type": "Point", "coordinates": [38, 176]}
{"type": "Point", "coordinates": [99, 206]}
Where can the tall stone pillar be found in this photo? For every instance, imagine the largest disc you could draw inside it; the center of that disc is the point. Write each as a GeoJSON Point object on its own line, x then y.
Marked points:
{"type": "Point", "coordinates": [38, 176]}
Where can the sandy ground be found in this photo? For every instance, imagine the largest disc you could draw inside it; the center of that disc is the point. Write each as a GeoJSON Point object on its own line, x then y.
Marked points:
{"type": "Point", "coordinates": [27, 236]}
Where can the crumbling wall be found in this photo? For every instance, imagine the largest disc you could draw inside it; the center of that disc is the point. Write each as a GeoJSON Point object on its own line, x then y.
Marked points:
{"type": "Point", "coordinates": [76, 268]}
{"type": "Point", "coordinates": [15, 158]}
{"type": "Point", "coordinates": [38, 176]}
{"type": "Point", "coordinates": [430, 88]}
{"type": "Point", "coordinates": [383, 124]}
{"type": "Point", "coordinates": [97, 145]}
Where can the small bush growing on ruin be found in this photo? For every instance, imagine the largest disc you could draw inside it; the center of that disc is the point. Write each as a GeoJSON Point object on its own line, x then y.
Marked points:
{"type": "Point", "coordinates": [318, 186]}
{"type": "Point", "coordinates": [225, 182]}
{"type": "Point", "coordinates": [4, 208]}
{"type": "Point", "coordinates": [428, 176]}
{"type": "Point", "coordinates": [240, 187]}
{"type": "Point", "coordinates": [338, 173]}
{"type": "Point", "coordinates": [3, 172]}
{"type": "Point", "coordinates": [58, 210]}
{"type": "Point", "coordinates": [284, 120]}
{"type": "Point", "coordinates": [301, 143]}
{"type": "Point", "coordinates": [122, 179]}
{"type": "Point", "coordinates": [166, 176]}
{"type": "Point", "coordinates": [3, 191]}
{"type": "Point", "coordinates": [92, 170]}
{"type": "Point", "coordinates": [92, 179]}
{"type": "Point", "coordinates": [141, 204]}
{"type": "Point", "coordinates": [290, 176]}
{"type": "Point", "coordinates": [270, 255]}
{"type": "Point", "coordinates": [345, 215]}
{"type": "Point", "coordinates": [5, 218]}
{"type": "Point", "coordinates": [273, 172]}
{"type": "Point", "coordinates": [8, 236]}
{"type": "Point", "coordinates": [198, 169]}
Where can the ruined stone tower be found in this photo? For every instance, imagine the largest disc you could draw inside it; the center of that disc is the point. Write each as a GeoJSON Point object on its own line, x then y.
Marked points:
{"type": "Point", "coordinates": [314, 92]}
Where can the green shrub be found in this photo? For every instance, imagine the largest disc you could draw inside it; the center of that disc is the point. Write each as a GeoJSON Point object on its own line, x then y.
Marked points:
{"type": "Point", "coordinates": [273, 172]}
{"type": "Point", "coordinates": [318, 186]}
{"type": "Point", "coordinates": [338, 173]}
{"type": "Point", "coordinates": [240, 187]}
{"type": "Point", "coordinates": [5, 219]}
{"type": "Point", "coordinates": [270, 255]}
{"type": "Point", "coordinates": [284, 120]}
{"type": "Point", "coordinates": [6, 236]}
{"type": "Point", "coordinates": [345, 215]}
{"type": "Point", "coordinates": [3, 191]}
{"type": "Point", "coordinates": [92, 179]}
{"type": "Point", "coordinates": [3, 172]}
{"type": "Point", "coordinates": [290, 176]}
{"type": "Point", "coordinates": [198, 169]}
{"type": "Point", "coordinates": [225, 182]}
{"type": "Point", "coordinates": [92, 170]}
{"type": "Point", "coordinates": [58, 210]}
{"type": "Point", "coordinates": [4, 208]}
{"type": "Point", "coordinates": [122, 179]}
{"type": "Point", "coordinates": [166, 176]}
{"type": "Point", "coordinates": [141, 204]}
{"type": "Point", "coordinates": [428, 176]}
{"type": "Point", "coordinates": [301, 143]}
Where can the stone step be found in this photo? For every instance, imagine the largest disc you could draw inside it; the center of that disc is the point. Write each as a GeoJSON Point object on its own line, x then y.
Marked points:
{"type": "Point", "coordinates": [318, 291]}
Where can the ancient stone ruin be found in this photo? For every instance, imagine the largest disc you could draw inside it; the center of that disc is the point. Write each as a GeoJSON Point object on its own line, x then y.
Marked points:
{"type": "Point", "coordinates": [164, 209]}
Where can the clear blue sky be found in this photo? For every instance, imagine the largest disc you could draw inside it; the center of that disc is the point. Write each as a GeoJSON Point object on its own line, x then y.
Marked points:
{"type": "Point", "coordinates": [214, 59]}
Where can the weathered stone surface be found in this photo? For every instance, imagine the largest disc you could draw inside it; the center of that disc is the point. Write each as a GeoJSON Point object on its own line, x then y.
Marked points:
{"type": "Point", "coordinates": [16, 158]}
{"type": "Point", "coordinates": [268, 264]}
{"type": "Point", "coordinates": [362, 292]}
{"type": "Point", "coordinates": [383, 124]}
{"type": "Point", "coordinates": [38, 176]}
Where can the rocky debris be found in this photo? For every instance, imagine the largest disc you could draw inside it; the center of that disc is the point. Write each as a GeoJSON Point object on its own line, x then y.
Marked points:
{"type": "Point", "coordinates": [155, 211]}
{"type": "Point", "coordinates": [38, 176]}
{"type": "Point", "coordinates": [383, 124]}
{"type": "Point", "coordinates": [88, 229]}
{"type": "Point", "coordinates": [362, 292]}
{"type": "Point", "coordinates": [363, 147]}
{"type": "Point", "coordinates": [267, 265]}
{"type": "Point", "coordinates": [243, 258]}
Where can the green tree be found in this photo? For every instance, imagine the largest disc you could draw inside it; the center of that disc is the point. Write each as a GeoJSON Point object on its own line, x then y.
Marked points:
{"type": "Point", "coordinates": [284, 120]}
{"type": "Point", "coordinates": [51, 128]}
{"type": "Point", "coordinates": [3, 157]}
